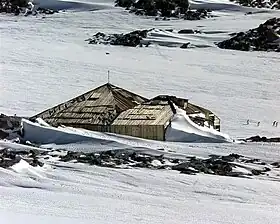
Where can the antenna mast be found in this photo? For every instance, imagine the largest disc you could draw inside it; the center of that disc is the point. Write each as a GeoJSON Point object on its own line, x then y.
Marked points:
{"type": "Point", "coordinates": [108, 76]}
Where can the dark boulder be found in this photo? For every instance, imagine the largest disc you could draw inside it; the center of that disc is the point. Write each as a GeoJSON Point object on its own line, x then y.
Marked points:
{"type": "Point", "coordinates": [9, 122]}
{"type": "Point", "coordinates": [3, 134]}
{"type": "Point", "coordinates": [188, 31]}
{"type": "Point", "coordinates": [262, 139]}
{"type": "Point", "coordinates": [131, 39]}
{"type": "Point", "coordinates": [185, 45]}
{"type": "Point", "coordinates": [272, 4]}
{"type": "Point", "coordinates": [263, 38]}
{"type": "Point", "coordinates": [12, 6]}
{"type": "Point", "coordinates": [163, 8]}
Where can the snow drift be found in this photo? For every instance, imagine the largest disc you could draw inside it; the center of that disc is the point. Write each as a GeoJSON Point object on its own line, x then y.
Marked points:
{"type": "Point", "coordinates": [183, 129]}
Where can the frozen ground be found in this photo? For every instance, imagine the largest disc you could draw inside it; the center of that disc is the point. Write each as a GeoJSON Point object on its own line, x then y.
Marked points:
{"type": "Point", "coordinates": [45, 61]}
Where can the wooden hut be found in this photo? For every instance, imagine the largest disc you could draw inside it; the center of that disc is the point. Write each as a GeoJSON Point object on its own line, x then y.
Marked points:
{"type": "Point", "coordinates": [109, 108]}
{"type": "Point", "coordinates": [148, 120]}
{"type": "Point", "coordinates": [93, 110]}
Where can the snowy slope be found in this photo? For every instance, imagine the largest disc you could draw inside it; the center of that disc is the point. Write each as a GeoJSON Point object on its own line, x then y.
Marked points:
{"type": "Point", "coordinates": [45, 60]}
{"type": "Point", "coordinates": [80, 194]}
{"type": "Point", "coordinates": [245, 89]}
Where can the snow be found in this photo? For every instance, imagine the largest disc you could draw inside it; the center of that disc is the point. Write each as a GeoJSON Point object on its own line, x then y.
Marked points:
{"type": "Point", "coordinates": [183, 129]}
{"type": "Point", "coordinates": [45, 61]}
{"type": "Point", "coordinates": [90, 194]}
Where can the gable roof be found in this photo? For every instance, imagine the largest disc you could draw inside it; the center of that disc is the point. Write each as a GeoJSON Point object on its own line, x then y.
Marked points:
{"type": "Point", "coordinates": [99, 106]}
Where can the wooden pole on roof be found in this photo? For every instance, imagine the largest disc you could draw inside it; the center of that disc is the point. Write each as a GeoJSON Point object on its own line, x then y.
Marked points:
{"type": "Point", "coordinates": [108, 76]}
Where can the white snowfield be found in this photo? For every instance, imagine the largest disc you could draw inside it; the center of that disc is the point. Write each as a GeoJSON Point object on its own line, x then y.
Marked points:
{"type": "Point", "coordinates": [44, 60]}
{"type": "Point", "coordinates": [81, 194]}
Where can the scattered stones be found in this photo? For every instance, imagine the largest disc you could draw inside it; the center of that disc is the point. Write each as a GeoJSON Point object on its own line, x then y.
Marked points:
{"type": "Point", "coordinates": [272, 4]}
{"type": "Point", "coordinates": [9, 122]}
{"type": "Point", "coordinates": [264, 38]}
{"type": "Point", "coordinates": [262, 139]}
{"type": "Point", "coordinates": [9, 157]}
{"type": "Point", "coordinates": [123, 158]}
{"type": "Point", "coordinates": [131, 39]}
{"type": "Point", "coordinates": [163, 8]}
{"type": "Point", "coordinates": [24, 7]}
{"type": "Point", "coordinates": [115, 158]}
{"type": "Point", "coordinates": [12, 6]}
{"type": "Point", "coordinates": [214, 165]}
{"type": "Point", "coordinates": [197, 14]}
{"type": "Point", "coordinates": [46, 11]}
{"type": "Point", "coordinates": [10, 126]}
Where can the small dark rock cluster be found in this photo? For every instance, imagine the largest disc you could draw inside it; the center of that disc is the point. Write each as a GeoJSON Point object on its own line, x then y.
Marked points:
{"type": "Point", "coordinates": [257, 138]}
{"type": "Point", "coordinates": [131, 39]}
{"type": "Point", "coordinates": [9, 125]}
{"type": "Point", "coordinates": [12, 6]}
{"type": "Point", "coordinates": [163, 8]}
{"type": "Point", "coordinates": [46, 11]}
{"type": "Point", "coordinates": [10, 157]}
{"type": "Point", "coordinates": [115, 159]}
{"type": "Point", "coordinates": [188, 31]}
{"type": "Point", "coordinates": [272, 4]}
{"type": "Point", "coordinates": [19, 6]}
{"type": "Point", "coordinates": [264, 38]}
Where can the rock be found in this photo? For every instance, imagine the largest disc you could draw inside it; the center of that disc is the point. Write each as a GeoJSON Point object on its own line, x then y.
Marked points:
{"type": "Point", "coordinates": [169, 30]}
{"type": "Point", "coordinates": [163, 8]}
{"type": "Point", "coordinates": [46, 11]}
{"type": "Point", "coordinates": [197, 14]}
{"type": "Point", "coordinates": [3, 134]}
{"type": "Point", "coordinates": [272, 4]}
{"type": "Point", "coordinates": [207, 166]}
{"type": "Point", "coordinates": [9, 157]}
{"type": "Point", "coordinates": [263, 38]}
{"type": "Point", "coordinates": [131, 39]}
{"type": "Point", "coordinates": [9, 122]}
{"type": "Point", "coordinates": [256, 172]}
{"type": "Point", "coordinates": [276, 164]}
{"type": "Point", "coordinates": [12, 6]}
{"type": "Point", "coordinates": [231, 158]}
{"type": "Point", "coordinates": [186, 45]}
{"type": "Point", "coordinates": [22, 6]}
{"type": "Point", "coordinates": [188, 31]}
{"type": "Point", "coordinates": [262, 139]}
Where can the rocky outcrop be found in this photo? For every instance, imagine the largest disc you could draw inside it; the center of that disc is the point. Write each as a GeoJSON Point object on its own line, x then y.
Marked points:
{"type": "Point", "coordinates": [226, 165]}
{"type": "Point", "coordinates": [24, 7]}
{"type": "Point", "coordinates": [12, 6]}
{"type": "Point", "coordinates": [9, 157]}
{"type": "Point", "coordinates": [163, 8]}
{"type": "Point", "coordinates": [131, 39]}
{"type": "Point", "coordinates": [10, 126]}
{"type": "Point", "coordinates": [262, 139]}
{"type": "Point", "coordinates": [264, 38]}
{"type": "Point", "coordinates": [272, 4]}
{"type": "Point", "coordinates": [214, 165]}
